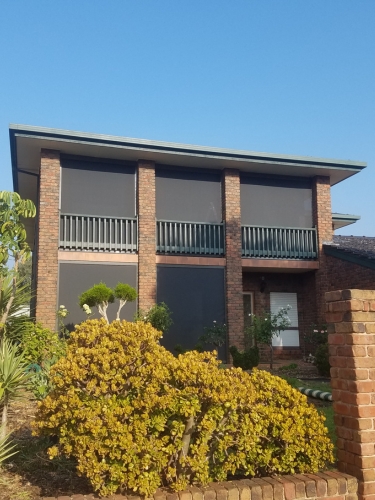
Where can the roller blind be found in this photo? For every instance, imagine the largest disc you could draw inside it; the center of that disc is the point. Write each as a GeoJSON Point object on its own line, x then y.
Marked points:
{"type": "Point", "coordinates": [279, 300]}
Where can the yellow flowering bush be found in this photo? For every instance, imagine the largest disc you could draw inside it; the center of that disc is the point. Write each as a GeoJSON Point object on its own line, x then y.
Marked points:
{"type": "Point", "coordinates": [135, 417]}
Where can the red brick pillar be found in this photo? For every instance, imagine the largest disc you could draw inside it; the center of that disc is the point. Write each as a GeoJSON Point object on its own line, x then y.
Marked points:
{"type": "Point", "coordinates": [48, 238]}
{"type": "Point", "coordinates": [322, 218]}
{"type": "Point", "coordinates": [233, 269]}
{"type": "Point", "coordinates": [351, 314]}
{"type": "Point", "coordinates": [146, 235]}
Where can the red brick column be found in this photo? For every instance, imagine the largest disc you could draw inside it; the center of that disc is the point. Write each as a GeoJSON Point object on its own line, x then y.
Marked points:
{"type": "Point", "coordinates": [233, 269]}
{"type": "Point", "coordinates": [322, 219]}
{"type": "Point", "coordinates": [48, 238]}
{"type": "Point", "coordinates": [351, 314]}
{"type": "Point", "coordinates": [146, 235]}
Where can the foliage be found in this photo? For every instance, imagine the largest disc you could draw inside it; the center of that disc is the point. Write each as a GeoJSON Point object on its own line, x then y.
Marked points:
{"type": "Point", "coordinates": [314, 337]}
{"type": "Point", "coordinates": [25, 273]}
{"type": "Point", "coordinates": [159, 316]}
{"type": "Point", "coordinates": [14, 301]}
{"type": "Point", "coordinates": [12, 231]}
{"type": "Point", "coordinates": [13, 379]}
{"type": "Point", "coordinates": [134, 416]}
{"type": "Point", "coordinates": [288, 368]}
{"type": "Point", "coordinates": [61, 313]}
{"type": "Point", "coordinates": [12, 243]}
{"type": "Point", "coordinates": [40, 344]}
{"type": "Point", "coordinates": [101, 296]}
{"type": "Point", "coordinates": [322, 360]}
{"type": "Point", "coordinates": [41, 349]}
{"type": "Point", "coordinates": [246, 359]}
{"type": "Point", "coordinates": [125, 293]}
{"type": "Point", "coordinates": [40, 378]}
{"type": "Point", "coordinates": [267, 325]}
{"type": "Point", "coordinates": [6, 446]}
{"type": "Point", "coordinates": [215, 335]}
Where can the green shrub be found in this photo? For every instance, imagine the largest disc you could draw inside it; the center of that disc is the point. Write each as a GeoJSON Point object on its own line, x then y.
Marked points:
{"type": "Point", "coordinates": [322, 360]}
{"type": "Point", "coordinates": [40, 344]}
{"type": "Point", "coordinates": [134, 416]}
{"type": "Point", "coordinates": [159, 316]}
{"type": "Point", "coordinates": [41, 349]}
{"type": "Point", "coordinates": [288, 368]}
{"type": "Point", "coordinates": [247, 359]}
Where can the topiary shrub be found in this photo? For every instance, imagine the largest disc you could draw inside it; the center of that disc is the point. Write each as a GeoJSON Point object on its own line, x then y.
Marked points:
{"type": "Point", "coordinates": [135, 417]}
{"type": "Point", "coordinates": [322, 360]}
{"type": "Point", "coordinates": [247, 359]}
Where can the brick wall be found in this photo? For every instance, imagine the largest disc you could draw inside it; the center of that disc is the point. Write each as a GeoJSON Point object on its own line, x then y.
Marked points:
{"type": "Point", "coordinates": [322, 219]}
{"type": "Point", "coordinates": [327, 485]}
{"type": "Point", "coordinates": [343, 274]}
{"type": "Point", "coordinates": [233, 270]}
{"type": "Point", "coordinates": [48, 238]}
{"type": "Point", "coordinates": [146, 235]}
{"type": "Point", "coordinates": [351, 314]}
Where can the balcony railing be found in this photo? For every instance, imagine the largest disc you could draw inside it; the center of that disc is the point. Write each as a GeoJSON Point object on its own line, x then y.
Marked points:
{"type": "Point", "coordinates": [189, 238]}
{"type": "Point", "coordinates": [279, 243]}
{"type": "Point", "coordinates": [98, 234]}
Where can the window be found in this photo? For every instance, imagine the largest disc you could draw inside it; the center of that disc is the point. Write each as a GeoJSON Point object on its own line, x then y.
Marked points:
{"type": "Point", "coordinates": [247, 308]}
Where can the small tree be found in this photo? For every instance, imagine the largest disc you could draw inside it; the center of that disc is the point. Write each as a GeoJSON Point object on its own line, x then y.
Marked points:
{"type": "Point", "coordinates": [267, 326]}
{"type": "Point", "coordinates": [13, 242]}
{"type": "Point", "coordinates": [215, 335]}
{"type": "Point", "coordinates": [99, 296]}
{"type": "Point", "coordinates": [125, 293]}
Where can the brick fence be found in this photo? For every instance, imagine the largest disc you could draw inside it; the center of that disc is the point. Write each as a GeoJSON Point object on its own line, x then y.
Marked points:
{"type": "Point", "coordinates": [351, 318]}
{"type": "Point", "coordinates": [327, 485]}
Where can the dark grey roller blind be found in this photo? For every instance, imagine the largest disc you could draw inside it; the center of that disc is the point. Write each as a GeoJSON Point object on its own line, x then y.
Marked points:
{"type": "Point", "coordinates": [184, 195]}
{"type": "Point", "coordinates": [196, 298]}
{"type": "Point", "coordinates": [76, 278]}
{"type": "Point", "coordinates": [97, 188]}
{"type": "Point", "coordinates": [277, 202]}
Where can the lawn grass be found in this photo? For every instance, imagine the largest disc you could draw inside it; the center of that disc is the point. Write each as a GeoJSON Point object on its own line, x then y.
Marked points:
{"type": "Point", "coordinates": [327, 411]}
{"type": "Point", "coordinates": [308, 384]}
{"type": "Point", "coordinates": [325, 408]}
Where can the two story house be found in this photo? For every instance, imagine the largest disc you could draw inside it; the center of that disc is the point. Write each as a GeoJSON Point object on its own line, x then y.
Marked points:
{"type": "Point", "coordinates": [216, 234]}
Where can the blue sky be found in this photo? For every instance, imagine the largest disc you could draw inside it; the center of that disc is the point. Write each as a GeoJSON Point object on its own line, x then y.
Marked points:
{"type": "Point", "coordinates": [294, 77]}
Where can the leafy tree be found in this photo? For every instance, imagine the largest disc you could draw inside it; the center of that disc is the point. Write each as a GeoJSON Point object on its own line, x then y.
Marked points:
{"type": "Point", "coordinates": [266, 326]}
{"type": "Point", "coordinates": [13, 242]}
{"type": "Point", "coordinates": [101, 296]}
{"type": "Point", "coordinates": [125, 293]}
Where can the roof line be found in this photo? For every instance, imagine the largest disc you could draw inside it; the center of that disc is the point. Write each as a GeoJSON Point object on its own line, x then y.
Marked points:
{"type": "Point", "coordinates": [334, 251]}
{"type": "Point", "coordinates": [67, 135]}
{"type": "Point", "coordinates": [345, 216]}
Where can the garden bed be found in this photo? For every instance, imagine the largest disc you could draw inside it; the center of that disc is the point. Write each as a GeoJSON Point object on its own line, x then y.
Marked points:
{"type": "Point", "coordinates": [31, 475]}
